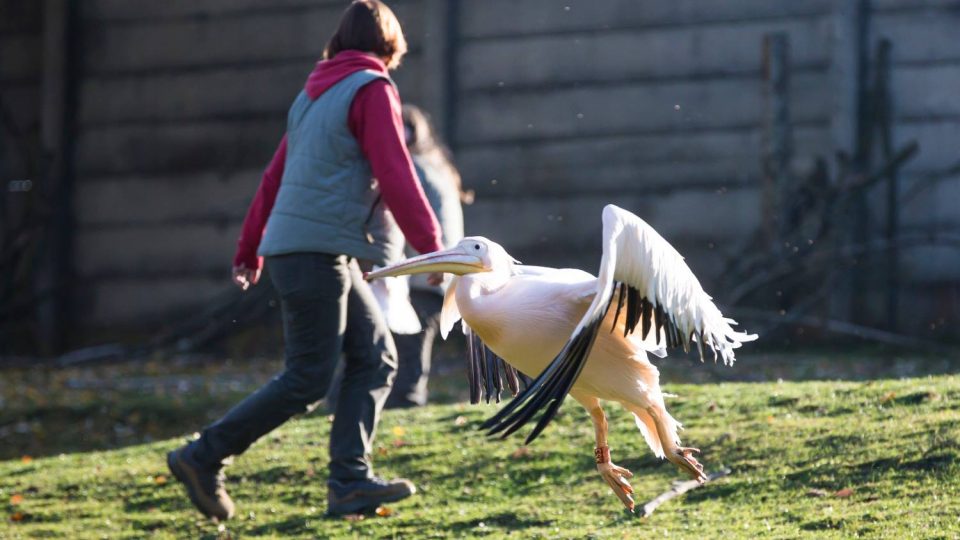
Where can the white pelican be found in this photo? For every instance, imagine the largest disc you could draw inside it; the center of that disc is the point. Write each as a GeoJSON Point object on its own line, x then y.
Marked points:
{"type": "Point", "coordinates": [529, 317]}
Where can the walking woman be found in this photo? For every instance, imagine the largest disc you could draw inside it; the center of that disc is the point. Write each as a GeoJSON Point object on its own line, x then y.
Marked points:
{"type": "Point", "coordinates": [317, 211]}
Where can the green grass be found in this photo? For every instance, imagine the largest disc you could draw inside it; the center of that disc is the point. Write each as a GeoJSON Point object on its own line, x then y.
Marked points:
{"type": "Point", "coordinates": [895, 443]}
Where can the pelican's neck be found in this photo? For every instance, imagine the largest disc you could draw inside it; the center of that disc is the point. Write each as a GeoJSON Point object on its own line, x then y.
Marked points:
{"type": "Point", "coordinates": [477, 303]}
{"type": "Point", "coordinates": [483, 283]}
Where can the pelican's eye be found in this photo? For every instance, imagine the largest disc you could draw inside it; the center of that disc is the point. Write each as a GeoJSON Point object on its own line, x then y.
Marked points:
{"type": "Point", "coordinates": [476, 246]}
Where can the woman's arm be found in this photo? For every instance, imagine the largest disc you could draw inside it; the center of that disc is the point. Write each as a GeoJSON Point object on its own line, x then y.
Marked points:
{"type": "Point", "coordinates": [376, 123]}
{"type": "Point", "coordinates": [258, 213]}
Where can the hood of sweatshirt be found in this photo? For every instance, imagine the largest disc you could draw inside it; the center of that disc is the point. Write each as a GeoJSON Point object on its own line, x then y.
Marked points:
{"type": "Point", "coordinates": [329, 72]}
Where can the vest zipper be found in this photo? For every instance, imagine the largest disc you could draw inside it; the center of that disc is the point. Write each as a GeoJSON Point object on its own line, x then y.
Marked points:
{"type": "Point", "coordinates": [366, 222]}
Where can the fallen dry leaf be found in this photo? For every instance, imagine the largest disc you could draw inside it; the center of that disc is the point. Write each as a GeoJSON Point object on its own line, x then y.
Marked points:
{"type": "Point", "coordinates": [382, 450]}
{"type": "Point", "coordinates": [522, 452]}
{"type": "Point", "coordinates": [384, 511]}
{"type": "Point", "coordinates": [399, 431]}
{"type": "Point", "coordinates": [460, 420]}
{"type": "Point", "coordinates": [888, 397]}
{"type": "Point", "coordinates": [844, 493]}
{"type": "Point", "coordinates": [397, 443]}
{"type": "Point", "coordinates": [16, 499]}
{"type": "Point", "coordinates": [26, 459]}
{"type": "Point", "coordinates": [17, 516]}
{"type": "Point", "coordinates": [816, 493]}
{"type": "Point", "coordinates": [353, 517]}
{"type": "Point", "coordinates": [160, 480]}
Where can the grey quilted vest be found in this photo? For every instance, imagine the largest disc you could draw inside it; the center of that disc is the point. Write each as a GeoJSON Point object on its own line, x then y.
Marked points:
{"type": "Point", "coordinates": [329, 201]}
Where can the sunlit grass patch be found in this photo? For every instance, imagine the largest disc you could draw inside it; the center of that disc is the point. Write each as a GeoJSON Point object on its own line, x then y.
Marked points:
{"type": "Point", "coordinates": [816, 459]}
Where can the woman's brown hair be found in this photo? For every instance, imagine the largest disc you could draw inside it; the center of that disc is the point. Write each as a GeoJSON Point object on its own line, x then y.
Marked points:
{"type": "Point", "coordinates": [369, 26]}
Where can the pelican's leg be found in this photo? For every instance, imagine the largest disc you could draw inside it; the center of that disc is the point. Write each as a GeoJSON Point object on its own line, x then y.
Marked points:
{"type": "Point", "coordinates": [680, 456]}
{"type": "Point", "coordinates": [614, 475]}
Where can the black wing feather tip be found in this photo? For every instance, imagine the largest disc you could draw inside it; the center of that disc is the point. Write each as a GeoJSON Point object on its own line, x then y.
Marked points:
{"type": "Point", "coordinates": [631, 298]}
{"type": "Point", "coordinates": [622, 293]}
{"type": "Point", "coordinates": [647, 315]}
{"type": "Point", "coordinates": [497, 363]}
{"type": "Point", "coordinates": [488, 374]}
{"type": "Point", "coordinates": [501, 374]}
{"type": "Point", "coordinates": [513, 381]}
{"type": "Point", "coordinates": [658, 321]}
{"type": "Point", "coordinates": [673, 339]}
{"type": "Point", "coordinates": [472, 372]}
{"type": "Point", "coordinates": [478, 369]}
{"type": "Point", "coordinates": [634, 306]}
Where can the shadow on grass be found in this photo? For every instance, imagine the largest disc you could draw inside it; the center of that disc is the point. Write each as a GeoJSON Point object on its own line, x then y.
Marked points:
{"type": "Point", "coordinates": [826, 524]}
{"type": "Point", "coordinates": [108, 422]}
{"type": "Point", "coordinates": [862, 473]}
{"type": "Point", "coordinates": [917, 398]}
{"type": "Point", "coordinates": [278, 474]}
{"type": "Point", "coordinates": [290, 527]}
{"type": "Point", "coordinates": [146, 502]}
{"type": "Point", "coordinates": [719, 490]}
{"type": "Point", "coordinates": [835, 443]}
{"type": "Point", "coordinates": [148, 525]}
{"type": "Point", "coordinates": [21, 471]}
{"type": "Point", "coordinates": [506, 520]}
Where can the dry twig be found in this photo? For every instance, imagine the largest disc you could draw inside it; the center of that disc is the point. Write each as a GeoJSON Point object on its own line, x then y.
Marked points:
{"type": "Point", "coordinates": [679, 489]}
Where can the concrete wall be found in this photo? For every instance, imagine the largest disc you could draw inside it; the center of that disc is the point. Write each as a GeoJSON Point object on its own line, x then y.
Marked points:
{"type": "Point", "coordinates": [926, 94]}
{"type": "Point", "coordinates": [20, 54]}
{"type": "Point", "coordinates": [554, 108]}
{"type": "Point", "coordinates": [653, 106]}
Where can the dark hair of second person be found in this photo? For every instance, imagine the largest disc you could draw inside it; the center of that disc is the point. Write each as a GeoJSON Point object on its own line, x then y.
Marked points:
{"type": "Point", "coordinates": [423, 142]}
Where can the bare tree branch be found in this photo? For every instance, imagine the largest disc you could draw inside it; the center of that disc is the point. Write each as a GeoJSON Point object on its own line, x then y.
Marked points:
{"type": "Point", "coordinates": [679, 489]}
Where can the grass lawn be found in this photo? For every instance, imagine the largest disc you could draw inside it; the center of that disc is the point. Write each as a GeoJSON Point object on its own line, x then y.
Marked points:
{"type": "Point", "coordinates": [814, 459]}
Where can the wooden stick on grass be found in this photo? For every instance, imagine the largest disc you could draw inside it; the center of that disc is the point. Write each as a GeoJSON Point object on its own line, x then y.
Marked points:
{"type": "Point", "coordinates": [679, 489]}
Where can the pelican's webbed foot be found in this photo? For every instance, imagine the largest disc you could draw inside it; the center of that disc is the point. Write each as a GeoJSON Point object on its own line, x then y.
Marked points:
{"type": "Point", "coordinates": [615, 476]}
{"type": "Point", "coordinates": [683, 458]}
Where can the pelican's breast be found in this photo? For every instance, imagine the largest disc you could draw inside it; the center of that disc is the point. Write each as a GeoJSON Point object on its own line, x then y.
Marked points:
{"type": "Point", "coordinates": [528, 319]}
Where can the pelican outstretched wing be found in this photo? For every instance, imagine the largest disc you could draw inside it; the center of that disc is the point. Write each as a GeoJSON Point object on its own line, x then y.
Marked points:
{"type": "Point", "coordinates": [653, 289]}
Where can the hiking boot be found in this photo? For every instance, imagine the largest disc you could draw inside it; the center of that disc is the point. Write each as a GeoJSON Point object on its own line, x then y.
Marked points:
{"type": "Point", "coordinates": [360, 496]}
{"type": "Point", "coordinates": [204, 485]}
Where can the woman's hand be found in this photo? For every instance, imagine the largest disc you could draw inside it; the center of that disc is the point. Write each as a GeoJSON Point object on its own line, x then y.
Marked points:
{"type": "Point", "coordinates": [245, 277]}
{"type": "Point", "coordinates": [435, 278]}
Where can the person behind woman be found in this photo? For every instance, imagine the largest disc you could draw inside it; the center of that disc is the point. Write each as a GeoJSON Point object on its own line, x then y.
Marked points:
{"type": "Point", "coordinates": [318, 209]}
{"type": "Point", "coordinates": [441, 182]}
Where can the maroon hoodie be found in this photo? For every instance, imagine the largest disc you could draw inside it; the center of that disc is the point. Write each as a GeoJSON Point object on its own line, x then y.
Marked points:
{"type": "Point", "coordinates": [375, 121]}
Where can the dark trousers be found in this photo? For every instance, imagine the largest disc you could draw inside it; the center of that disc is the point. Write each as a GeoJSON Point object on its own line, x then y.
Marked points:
{"type": "Point", "coordinates": [415, 352]}
{"type": "Point", "coordinates": [327, 309]}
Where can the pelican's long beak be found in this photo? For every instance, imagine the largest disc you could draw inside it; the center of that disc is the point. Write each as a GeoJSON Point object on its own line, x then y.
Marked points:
{"type": "Point", "coordinates": [455, 260]}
